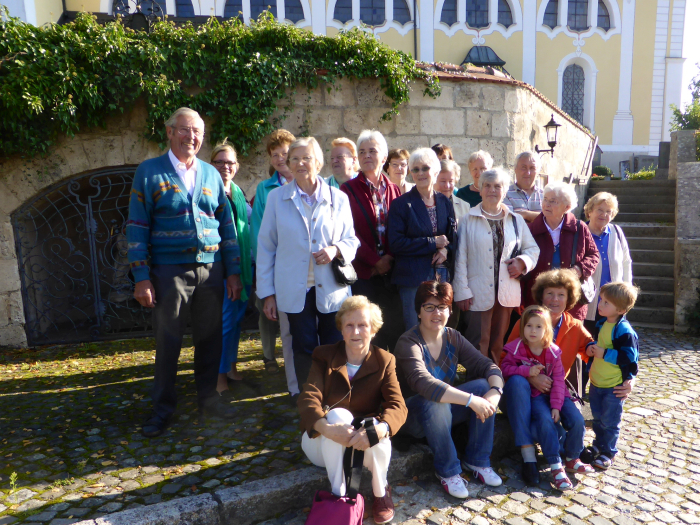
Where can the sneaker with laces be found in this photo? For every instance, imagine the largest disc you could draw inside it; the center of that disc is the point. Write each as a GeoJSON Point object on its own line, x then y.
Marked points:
{"type": "Point", "coordinates": [484, 474]}
{"type": "Point", "coordinates": [383, 508]}
{"type": "Point", "coordinates": [454, 486]}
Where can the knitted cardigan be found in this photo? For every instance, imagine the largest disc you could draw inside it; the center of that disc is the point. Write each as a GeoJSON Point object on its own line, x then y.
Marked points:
{"type": "Point", "coordinates": [172, 227]}
{"type": "Point", "coordinates": [516, 362]}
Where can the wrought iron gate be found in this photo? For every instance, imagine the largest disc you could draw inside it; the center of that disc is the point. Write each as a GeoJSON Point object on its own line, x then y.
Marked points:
{"type": "Point", "coordinates": [72, 252]}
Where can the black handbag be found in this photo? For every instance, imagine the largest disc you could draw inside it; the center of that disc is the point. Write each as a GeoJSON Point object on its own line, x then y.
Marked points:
{"type": "Point", "coordinates": [344, 272]}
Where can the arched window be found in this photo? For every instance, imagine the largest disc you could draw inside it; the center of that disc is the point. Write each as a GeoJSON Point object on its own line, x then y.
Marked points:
{"type": "Point", "coordinates": [578, 15]}
{"type": "Point", "coordinates": [505, 15]}
{"type": "Point", "coordinates": [293, 10]}
{"type": "Point", "coordinates": [402, 14]}
{"type": "Point", "coordinates": [572, 94]}
{"type": "Point", "coordinates": [233, 9]}
{"type": "Point", "coordinates": [343, 11]}
{"type": "Point", "coordinates": [449, 12]}
{"type": "Point", "coordinates": [551, 14]}
{"type": "Point", "coordinates": [258, 6]}
{"type": "Point", "coordinates": [372, 12]}
{"type": "Point", "coordinates": [184, 8]}
{"type": "Point", "coordinates": [477, 13]}
{"type": "Point", "coordinates": [603, 16]}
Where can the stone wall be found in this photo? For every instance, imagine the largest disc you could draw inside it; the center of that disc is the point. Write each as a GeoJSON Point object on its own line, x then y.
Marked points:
{"type": "Point", "coordinates": [684, 168]}
{"type": "Point", "coordinates": [498, 115]}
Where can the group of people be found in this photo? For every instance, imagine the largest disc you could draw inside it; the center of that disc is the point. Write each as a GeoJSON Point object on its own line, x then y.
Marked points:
{"type": "Point", "coordinates": [440, 276]}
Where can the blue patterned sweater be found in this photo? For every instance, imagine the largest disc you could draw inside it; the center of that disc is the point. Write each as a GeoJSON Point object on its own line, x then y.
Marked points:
{"type": "Point", "coordinates": [168, 226]}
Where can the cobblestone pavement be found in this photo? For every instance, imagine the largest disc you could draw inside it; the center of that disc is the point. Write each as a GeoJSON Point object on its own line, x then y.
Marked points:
{"type": "Point", "coordinates": [655, 479]}
{"type": "Point", "coordinates": [70, 431]}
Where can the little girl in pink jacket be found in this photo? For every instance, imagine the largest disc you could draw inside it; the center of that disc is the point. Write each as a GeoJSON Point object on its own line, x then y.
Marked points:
{"type": "Point", "coordinates": [532, 354]}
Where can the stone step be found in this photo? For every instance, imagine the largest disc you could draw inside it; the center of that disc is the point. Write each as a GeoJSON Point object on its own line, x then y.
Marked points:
{"type": "Point", "coordinates": [652, 256]}
{"type": "Point", "coordinates": [650, 243]}
{"type": "Point", "coordinates": [636, 229]}
{"type": "Point", "coordinates": [653, 284]}
{"type": "Point", "coordinates": [647, 208]}
{"type": "Point", "coordinates": [656, 299]}
{"type": "Point", "coordinates": [652, 269]}
{"type": "Point", "coordinates": [662, 218]}
{"type": "Point", "coordinates": [607, 184]}
{"type": "Point", "coordinates": [651, 314]}
{"type": "Point", "coordinates": [652, 326]}
{"type": "Point", "coordinates": [644, 199]}
{"type": "Point", "coordinates": [631, 190]}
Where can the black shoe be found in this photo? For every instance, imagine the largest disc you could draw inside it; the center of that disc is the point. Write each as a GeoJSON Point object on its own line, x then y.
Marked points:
{"type": "Point", "coordinates": [589, 454]}
{"type": "Point", "coordinates": [531, 474]}
{"type": "Point", "coordinates": [220, 409]}
{"type": "Point", "coordinates": [154, 426]}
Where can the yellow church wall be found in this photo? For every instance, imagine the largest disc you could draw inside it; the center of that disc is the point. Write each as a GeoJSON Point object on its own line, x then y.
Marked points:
{"type": "Point", "coordinates": [642, 69]}
{"type": "Point", "coordinates": [395, 40]}
{"type": "Point", "coordinates": [606, 55]}
{"type": "Point", "coordinates": [91, 6]}
{"type": "Point", "coordinates": [48, 11]}
{"type": "Point", "coordinates": [454, 49]}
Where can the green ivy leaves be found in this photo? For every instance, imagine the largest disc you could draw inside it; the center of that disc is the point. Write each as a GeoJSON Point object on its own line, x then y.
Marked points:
{"type": "Point", "coordinates": [55, 79]}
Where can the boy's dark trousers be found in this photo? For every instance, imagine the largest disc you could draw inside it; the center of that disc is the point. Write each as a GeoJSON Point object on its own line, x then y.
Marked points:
{"type": "Point", "coordinates": [607, 416]}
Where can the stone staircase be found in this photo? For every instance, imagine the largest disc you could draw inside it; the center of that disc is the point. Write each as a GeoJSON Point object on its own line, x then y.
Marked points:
{"type": "Point", "coordinates": [647, 216]}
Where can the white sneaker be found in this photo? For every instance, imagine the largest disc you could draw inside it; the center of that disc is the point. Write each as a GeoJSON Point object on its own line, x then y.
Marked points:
{"type": "Point", "coordinates": [484, 474]}
{"type": "Point", "coordinates": [454, 485]}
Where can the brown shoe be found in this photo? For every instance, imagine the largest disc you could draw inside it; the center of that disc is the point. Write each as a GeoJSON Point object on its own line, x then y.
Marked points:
{"type": "Point", "coordinates": [383, 508]}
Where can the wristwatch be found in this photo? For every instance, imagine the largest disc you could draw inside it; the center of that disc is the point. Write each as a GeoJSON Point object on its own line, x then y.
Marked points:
{"type": "Point", "coordinates": [497, 389]}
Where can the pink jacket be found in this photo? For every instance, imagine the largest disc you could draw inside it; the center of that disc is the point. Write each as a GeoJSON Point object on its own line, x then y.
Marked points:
{"type": "Point", "coordinates": [518, 359]}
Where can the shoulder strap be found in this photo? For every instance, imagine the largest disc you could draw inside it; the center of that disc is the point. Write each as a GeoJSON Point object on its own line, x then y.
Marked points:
{"type": "Point", "coordinates": [352, 465]}
{"type": "Point", "coordinates": [372, 228]}
{"type": "Point", "coordinates": [516, 248]}
{"type": "Point", "coordinates": [573, 247]}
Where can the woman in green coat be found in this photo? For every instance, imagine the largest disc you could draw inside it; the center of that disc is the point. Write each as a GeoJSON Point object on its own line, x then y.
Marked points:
{"type": "Point", "coordinates": [224, 159]}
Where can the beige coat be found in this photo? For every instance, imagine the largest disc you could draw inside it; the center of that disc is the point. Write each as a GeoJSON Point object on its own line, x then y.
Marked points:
{"type": "Point", "coordinates": [474, 276]}
{"type": "Point", "coordinates": [461, 207]}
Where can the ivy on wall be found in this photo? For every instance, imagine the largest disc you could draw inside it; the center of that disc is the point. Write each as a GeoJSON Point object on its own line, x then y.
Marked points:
{"type": "Point", "coordinates": [55, 79]}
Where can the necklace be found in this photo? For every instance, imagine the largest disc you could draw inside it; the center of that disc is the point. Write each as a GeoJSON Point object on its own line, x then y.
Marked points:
{"type": "Point", "coordinates": [493, 215]}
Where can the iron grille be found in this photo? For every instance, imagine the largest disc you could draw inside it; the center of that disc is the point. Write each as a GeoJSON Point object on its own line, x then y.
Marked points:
{"type": "Point", "coordinates": [72, 252]}
{"type": "Point", "coordinates": [573, 91]}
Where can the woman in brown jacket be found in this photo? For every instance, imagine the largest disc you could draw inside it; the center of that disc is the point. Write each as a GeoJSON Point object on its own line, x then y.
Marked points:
{"type": "Point", "coordinates": [349, 380]}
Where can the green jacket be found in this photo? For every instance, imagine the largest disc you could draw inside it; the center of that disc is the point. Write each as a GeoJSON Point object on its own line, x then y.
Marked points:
{"type": "Point", "coordinates": [240, 219]}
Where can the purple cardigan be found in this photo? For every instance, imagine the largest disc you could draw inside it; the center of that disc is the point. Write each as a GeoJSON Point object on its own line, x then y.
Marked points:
{"type": "Point", "coordinates": [516, 362]}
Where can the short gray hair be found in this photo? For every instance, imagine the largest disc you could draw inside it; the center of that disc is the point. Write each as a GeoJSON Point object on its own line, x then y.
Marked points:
{"type": "Point", "coordinates": [496, 175]}
{"type": "Point", "coordinates": [373, 134]}
{"type": "Point", "coordinates": [529, 155]}
{"type": "Point", "coordinates": [483, 155]}
{"type": "Point", "coordinates": [172, 120]}
{"type": "Point", "coordinates": [304, 142]}
{"type": "Point", "coordinates": [426, 156]}
{"type": "Point", "coordinates": [451, 166]}
{"type": "Point", "coordinates": [563, 191]}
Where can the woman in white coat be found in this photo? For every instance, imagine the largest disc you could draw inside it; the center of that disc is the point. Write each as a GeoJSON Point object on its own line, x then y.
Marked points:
{"type": "Point", "coordinates": [488, 266]}
{"type": "Point", "coordinates": [615, 261]}
{"type": "Point", "coordinates": [306, 225]}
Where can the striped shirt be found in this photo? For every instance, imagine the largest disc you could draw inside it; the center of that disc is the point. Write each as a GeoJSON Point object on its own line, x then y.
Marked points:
{"type": "Point", "coordinates": [518, 199]}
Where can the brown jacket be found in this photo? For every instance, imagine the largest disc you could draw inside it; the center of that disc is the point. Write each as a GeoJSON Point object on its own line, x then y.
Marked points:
{"type": "Point", "coordinates": [375, 388]}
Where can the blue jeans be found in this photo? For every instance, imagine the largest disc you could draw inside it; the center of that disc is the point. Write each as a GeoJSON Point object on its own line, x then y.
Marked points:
{"type": "Point", "coordinates": [607, 416]}
{"type": "Point", "coordinates": [434, 421]}
{"type": "Point", "coordinates": [309, 328]}
{"type": "Point", "coordinates": [517, 406]}
{"type": "Point", "coordinates": [232, 315]}
{"type": "Point", "coordinates": [571, 419]}
{"type": "Point", "coordinates": [408, 300]}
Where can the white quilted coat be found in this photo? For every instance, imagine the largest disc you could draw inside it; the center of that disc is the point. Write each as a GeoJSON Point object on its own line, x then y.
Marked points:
{"type": "Point", "coordinates": [474, 264]}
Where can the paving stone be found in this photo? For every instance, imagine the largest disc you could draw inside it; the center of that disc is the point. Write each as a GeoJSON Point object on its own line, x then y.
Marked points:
{"type": "Point", "coordinates": [539, 519]}
{"type": "Point", "coordinates": [479, 520]}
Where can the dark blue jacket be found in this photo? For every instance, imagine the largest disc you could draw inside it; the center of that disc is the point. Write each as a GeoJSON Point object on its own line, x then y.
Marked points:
{"type": "Point", "coordinates": [625, 351]}
{"type": "Point", "coordinates": [411, 237]}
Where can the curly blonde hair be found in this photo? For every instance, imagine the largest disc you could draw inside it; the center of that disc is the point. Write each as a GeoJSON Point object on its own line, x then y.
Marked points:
{"type": "Point", "coordinates": [360, 302]}
{"type": "Point", "coordinates": [560, 278]}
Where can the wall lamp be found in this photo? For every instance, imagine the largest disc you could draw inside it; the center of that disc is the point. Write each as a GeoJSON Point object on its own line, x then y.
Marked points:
{"type": "Point", "coordinates": [552, 128]}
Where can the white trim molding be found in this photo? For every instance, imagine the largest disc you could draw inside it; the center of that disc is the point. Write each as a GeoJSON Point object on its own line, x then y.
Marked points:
{"type": "Point", "coordinates": [623, 121]}
{"type": "Point", "coordinates": [593, 29]}
{"type": "Point", "coordinates": [589, 90]}
{"type": "Point", "coordinates": [663, 8]}
{"type": "Point", "coordinates": [674, 67]}
{"type": "Point", "coordinates": [493, 27]}
{"type": "Point", "coordinates": [624, 148]}
{"type": "Point", "coordinates": [529, 42]}
{"type": "Point", "coordinates": [30, 12]}
{"type": "Point", "coordinates": [389, 22]}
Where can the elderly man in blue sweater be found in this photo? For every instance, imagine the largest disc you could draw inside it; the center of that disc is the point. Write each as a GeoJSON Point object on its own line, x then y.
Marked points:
{"type": "Point", "coordinates": [182, 246]}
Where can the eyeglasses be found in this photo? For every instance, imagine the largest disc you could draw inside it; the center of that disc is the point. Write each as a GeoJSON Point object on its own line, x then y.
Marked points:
{"type": "Point", "coordinates": [186, 131]}
{"type": "Point", "coordinates": [340, 158]}
{"type": "Point", "coordinates": [431, 307]}
{"type": "Point", "coordinates": [418, 170]}
{"type": "Point", "coordinates": [222, 163]}
{"type": "Point", "coordinates": [550, 202]}
{"type": "Point", "coordinates": [401, 166]}
{"type": "Point", "coordinates": [297, 160]}
{"type": "Point", "coordinates": [279, 156]}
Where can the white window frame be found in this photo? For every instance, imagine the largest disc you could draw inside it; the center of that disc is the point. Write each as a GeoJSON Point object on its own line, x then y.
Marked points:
{"type": "Point", "coordinates": [590, 72]}
{"type": "Point", "coordinates": [563, 15]}
{"type": "Point", "coordinates": [493, 27]}
{"type": "Point", "coordinates": [388, 23]}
